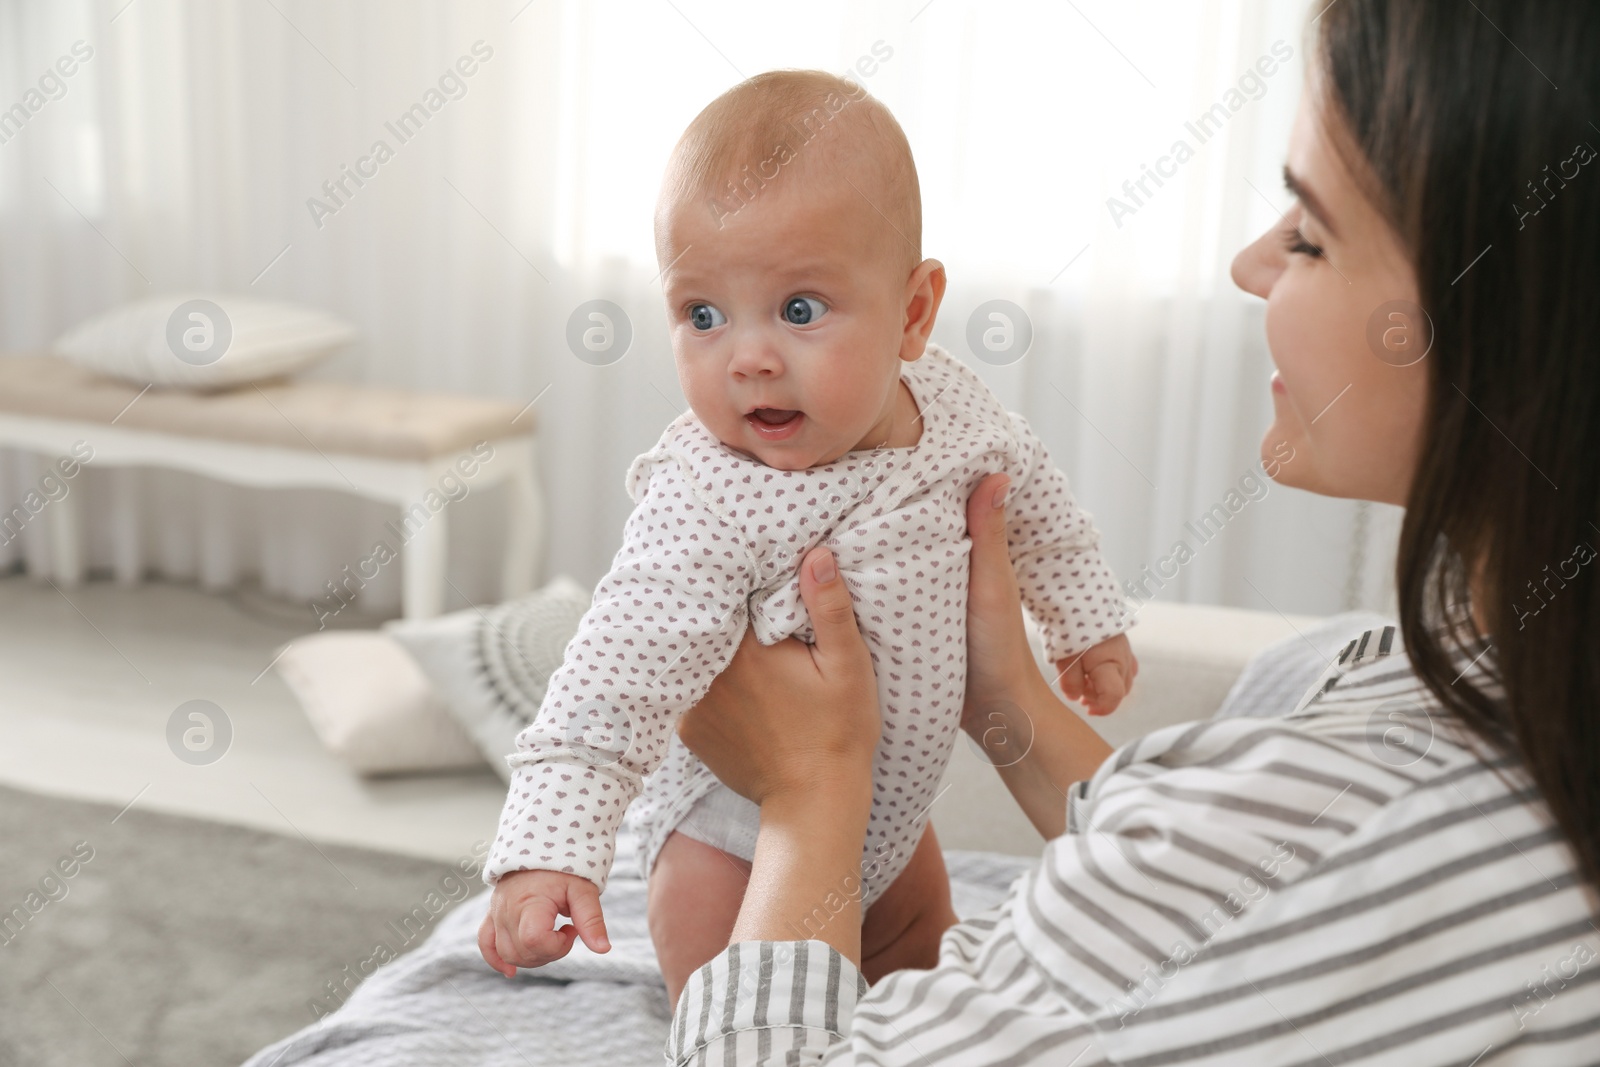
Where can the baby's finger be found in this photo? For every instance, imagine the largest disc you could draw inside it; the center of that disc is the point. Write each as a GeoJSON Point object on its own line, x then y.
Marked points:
{"type": "Point", "coordinates": [1070, 677]}
{"type": "Point", "coordinates": [1108, 686]}
{"type": "Point", "coordinates": [491, 954]}
{"type": "Point", "coordinates": [539, 941]}
{"type": "Point", "coordinates": [583, 904]}
{"type": "Point", "coordinates": [507, 947]}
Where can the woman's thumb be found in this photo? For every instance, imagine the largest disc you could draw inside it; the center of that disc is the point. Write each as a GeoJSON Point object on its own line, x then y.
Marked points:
{"type": "Point", "coordinates": [986, 516]}
{"type": "Point", "coordinates": [827, 599]}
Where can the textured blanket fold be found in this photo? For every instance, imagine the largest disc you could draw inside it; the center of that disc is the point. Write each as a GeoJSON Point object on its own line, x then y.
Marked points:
{"type": "Point", "coordinates": [441, 1006]}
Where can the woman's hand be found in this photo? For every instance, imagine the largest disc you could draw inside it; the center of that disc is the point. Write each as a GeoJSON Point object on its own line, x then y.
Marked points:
{"type": "Point", "coordinates": [1035, 742]}
{"type": "Point", "coordinates": [784, 718]}
{"type": "Point", "coordinates": [1000, 664]}
{"type": "Point", "coordinates": [794, 727]}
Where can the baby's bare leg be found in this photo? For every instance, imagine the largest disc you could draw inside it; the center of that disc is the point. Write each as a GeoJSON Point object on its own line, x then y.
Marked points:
{"type": "Point", "coordinates": [694, 895]}
{"type": "Point", "coordinates": [902, 928]}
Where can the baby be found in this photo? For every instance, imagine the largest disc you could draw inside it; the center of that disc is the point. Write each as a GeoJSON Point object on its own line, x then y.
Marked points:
{"type": "Point", "coordinates": [789, 235]}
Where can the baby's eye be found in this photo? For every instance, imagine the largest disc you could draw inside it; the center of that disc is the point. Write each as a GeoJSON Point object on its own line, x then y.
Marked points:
{"type": "Point", "coordinates": [705, 317]}
{"type": "Point", "coordinates": [801, 310]}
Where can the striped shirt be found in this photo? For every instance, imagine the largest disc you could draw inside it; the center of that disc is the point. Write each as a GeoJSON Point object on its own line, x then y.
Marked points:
{"type": "Point", "coordinates": [1357, 881]}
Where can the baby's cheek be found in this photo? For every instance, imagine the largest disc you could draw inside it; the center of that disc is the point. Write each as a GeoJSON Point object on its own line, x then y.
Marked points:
{"type": "Point", "coordinates": [723, 423]}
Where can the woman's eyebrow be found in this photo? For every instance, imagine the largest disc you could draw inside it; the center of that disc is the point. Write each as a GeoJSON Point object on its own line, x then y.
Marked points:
{"type": "Point", "coordinates": [1303, 193]}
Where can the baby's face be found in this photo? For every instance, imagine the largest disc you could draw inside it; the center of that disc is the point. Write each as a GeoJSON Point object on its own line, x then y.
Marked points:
{"type": "Point", "coordinates": [793, 304]}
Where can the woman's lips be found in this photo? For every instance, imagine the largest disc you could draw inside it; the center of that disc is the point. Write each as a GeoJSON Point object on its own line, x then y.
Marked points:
{"type": "Point", "coordinates": [1277, 384]}
{"type": "Point", "coordinates": [785, 423]}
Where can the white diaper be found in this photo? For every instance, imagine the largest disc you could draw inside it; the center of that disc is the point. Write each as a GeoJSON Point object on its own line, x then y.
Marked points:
{"type": "Point", "coordinates": [723, 819]}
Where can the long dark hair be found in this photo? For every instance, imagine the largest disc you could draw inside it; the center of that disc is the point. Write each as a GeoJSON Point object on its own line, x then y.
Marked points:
{"type": "Point", "coordinates": [1471, 123]}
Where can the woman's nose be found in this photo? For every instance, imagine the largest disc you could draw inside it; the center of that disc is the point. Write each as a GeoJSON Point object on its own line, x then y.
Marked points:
{"type": "Point", "coordinates": [1258, 265]}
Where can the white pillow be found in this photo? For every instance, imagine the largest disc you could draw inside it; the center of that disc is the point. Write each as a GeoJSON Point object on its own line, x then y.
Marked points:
{"type": "Point", "coordinates": [203, 341]}
{"type": "Point", "coordinates": [492, 666]}
{"type": "Point", "coordinates": [371, 706]}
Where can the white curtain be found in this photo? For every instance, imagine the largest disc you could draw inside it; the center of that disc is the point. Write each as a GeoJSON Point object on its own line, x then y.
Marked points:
{"type": "Point", "coordinates": [192, 150]}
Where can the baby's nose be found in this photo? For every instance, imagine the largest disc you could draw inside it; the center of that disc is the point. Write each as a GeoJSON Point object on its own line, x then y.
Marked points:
{"type": "Point", "coordinates": [755, 358]}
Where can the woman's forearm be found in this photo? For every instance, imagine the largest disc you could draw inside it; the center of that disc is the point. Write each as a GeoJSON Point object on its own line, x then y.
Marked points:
{"type": "Point", "coordinates": [1040, 747]}
{"type": "Point", "coordinates": [805, 881]}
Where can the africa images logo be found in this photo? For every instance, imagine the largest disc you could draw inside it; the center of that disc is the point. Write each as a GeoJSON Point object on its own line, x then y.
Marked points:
{"type": "Point", "coordinates": [1252, 85]}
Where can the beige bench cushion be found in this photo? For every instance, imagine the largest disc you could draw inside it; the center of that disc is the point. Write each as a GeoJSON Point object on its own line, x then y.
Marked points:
{"type": "Point", "coordinates": [364, 420]}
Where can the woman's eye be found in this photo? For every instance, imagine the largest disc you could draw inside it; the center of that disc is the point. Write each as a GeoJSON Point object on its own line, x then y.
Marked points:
{"type": "Point", "coordinates": [705, 317]}
{"type": "Point", "coordinates": [802, 310]}
{"type": "Point", "coordinates": [1296, 242]}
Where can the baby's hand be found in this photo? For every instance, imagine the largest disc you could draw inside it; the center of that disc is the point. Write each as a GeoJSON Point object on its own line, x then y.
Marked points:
{"type": "Point", "coordinates": [519, 929]}
{"type": "Point", "coordinates": [1100, 676]}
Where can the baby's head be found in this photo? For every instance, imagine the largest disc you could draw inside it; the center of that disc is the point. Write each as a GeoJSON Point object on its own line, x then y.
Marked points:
{"type": "Point", "coordinates": [789, 233]}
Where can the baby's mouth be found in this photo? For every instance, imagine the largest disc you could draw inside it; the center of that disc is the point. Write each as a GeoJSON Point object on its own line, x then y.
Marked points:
{"type": "Point", "coordinates": [774, 416]}
{"type": "Point", "coordinates": [775, 424]}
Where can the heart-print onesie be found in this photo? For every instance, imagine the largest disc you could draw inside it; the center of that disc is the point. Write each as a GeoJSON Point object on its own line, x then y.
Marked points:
{"type": "Point", "coordinates": [714, 544]}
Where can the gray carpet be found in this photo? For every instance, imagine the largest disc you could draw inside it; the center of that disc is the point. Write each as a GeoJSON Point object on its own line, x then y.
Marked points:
{"type": "Point", "coordinates": [182, 942]}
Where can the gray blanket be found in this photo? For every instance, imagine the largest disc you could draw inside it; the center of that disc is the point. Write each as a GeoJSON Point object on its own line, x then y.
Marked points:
{"type": "Point", "coordinates": [441, 1006]}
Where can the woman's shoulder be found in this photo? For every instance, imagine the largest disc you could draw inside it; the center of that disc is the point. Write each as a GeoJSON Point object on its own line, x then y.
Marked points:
{"type": "Point", "coordinates": [1362, 861]}
{"type": "Point", "coordinates": [1367, 724]}
{"type": "Point", "coordinates": [1369, 764]}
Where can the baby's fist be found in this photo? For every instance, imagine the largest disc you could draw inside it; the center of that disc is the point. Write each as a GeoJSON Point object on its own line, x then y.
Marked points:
{"type": "Point", "coordinates": [1100, 676]}
{"type": "Point", "coordinates": [519, 928]}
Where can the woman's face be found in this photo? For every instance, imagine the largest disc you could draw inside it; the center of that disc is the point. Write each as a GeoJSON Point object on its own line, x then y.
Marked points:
{"type": "Point", "coordinates": [1344, 329]}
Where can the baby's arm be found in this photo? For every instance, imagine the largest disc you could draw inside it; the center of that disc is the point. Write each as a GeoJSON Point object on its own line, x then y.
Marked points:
{"type": "Point", "coordinates": [1064, 581]}
{"type": "Point", "coordinates": [664, 623]}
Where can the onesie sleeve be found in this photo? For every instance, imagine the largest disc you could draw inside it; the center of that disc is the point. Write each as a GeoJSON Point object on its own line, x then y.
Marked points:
{"type": "Point", "coordinates": [664, 622]}
{"type": "Point", "coordinates": [1064, 581]}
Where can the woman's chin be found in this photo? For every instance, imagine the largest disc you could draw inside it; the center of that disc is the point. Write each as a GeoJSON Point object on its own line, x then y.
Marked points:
{"type": "Point", "coordinates": [1283, 457]}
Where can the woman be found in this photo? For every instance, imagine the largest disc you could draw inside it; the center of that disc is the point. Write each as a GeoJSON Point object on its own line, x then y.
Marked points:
{"type": "Point", "coordinates": [1401, 869]}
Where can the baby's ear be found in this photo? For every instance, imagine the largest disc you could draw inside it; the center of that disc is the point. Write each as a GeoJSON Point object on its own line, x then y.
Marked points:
{"type": "Point", "coordinates": [924, 292]}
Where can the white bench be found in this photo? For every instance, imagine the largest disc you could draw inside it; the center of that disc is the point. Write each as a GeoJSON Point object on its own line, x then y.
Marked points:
{"type": "Point", "coordinates": [385, 444]}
